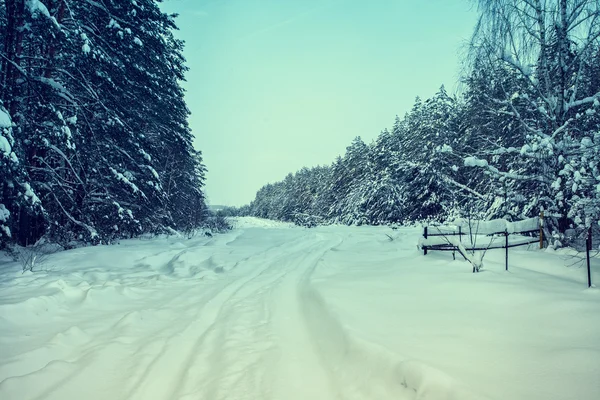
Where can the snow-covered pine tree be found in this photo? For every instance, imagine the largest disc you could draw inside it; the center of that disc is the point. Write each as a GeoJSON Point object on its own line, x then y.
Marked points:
{"type": "Point", "coordinates": [16, 196]}
{"type": "Point", "coordinates": [549, 45]}
{"type": "Point", "coordinates": [348, 186]}
{"type": "Point", "coordinates": [426, 158]}
{"type": "Point", "coordinates": [384, 198]}
{"type": "Point", "coordinates": [99, 118]}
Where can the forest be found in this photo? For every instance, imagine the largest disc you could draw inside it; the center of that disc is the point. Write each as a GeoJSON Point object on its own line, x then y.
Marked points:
{"type": "Point", "coordinates": [94, 139]}
{"type": "Point", "coordinates": [95, 143]}
{"type": "Point", "coordinates": [520, 137]}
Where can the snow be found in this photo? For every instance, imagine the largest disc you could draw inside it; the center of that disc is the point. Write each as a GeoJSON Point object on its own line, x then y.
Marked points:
{"type": "Point", "coordinates": [5, 121]}
{"type": "Point", "coordinates": [156, 176]}
{"type": "Point", "coordinates": [30, 194]}
{"type": "Point", "coordinates": [113, 24]}
{"type": "Point", "coordinates": [445, 148]}
{"type": "Point", "coordinates": [487, 227]}
{"type": "Point", "coordinates": [67, 131]}
{"type": "Point", "coordinates": [5, 125]}
{"type": "Point", "coordinates": [125, 178]}
{"type": "Point", "coordinates": [5, 146]}
{"type": "Point", "coordinates": [523, 226]}
{"type": "Point", "coordinates": [478, 241]}
{"type": "Point", "coordinates": [272, 311]}
{"type": "Point", "coordinates": [36, 6]}
{"type": "Point", "coordinates": [4, 213]}
{"type": "Point", "coordinates": [146, 155]}
{"type": "Point", "coordinates": [55, 85]}
{"type": "Point", "coordinates": [252, 222]}
{"type": "Point", "coordinates": [475, 162]}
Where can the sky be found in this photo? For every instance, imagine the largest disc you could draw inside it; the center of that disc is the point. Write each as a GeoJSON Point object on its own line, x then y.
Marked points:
{"type": "Point", "coordinates": [276, 85]}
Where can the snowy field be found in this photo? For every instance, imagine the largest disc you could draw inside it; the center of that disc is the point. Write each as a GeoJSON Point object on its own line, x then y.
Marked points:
{"type": "Point", "coordinates": [271, 311]}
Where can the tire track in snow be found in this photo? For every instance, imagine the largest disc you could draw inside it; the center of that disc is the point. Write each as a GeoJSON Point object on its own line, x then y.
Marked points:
{"type": "Point", "coordinates": [111, 347]}
{"type": "Point", "coordinates": [361, 370]}
{"type": "Point", "coordinates": [230, 362]}
{"type": "Point", "coordinates": [265, 344]}
{"type": "Point", "coordinates": [274, 338]}
{"type": "Point", "coordinates": [184, 349]}
{"type": "Point", "coordinates": [319, 360]}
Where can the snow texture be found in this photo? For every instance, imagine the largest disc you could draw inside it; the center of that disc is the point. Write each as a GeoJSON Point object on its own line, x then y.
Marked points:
{"type": "Point", "coordinates": [487, 227]}
{"type": "Point", "coordinates": [4, 213]}
{"type": "Point", "coordinates": [5, 147]}
{"type": "Point", "coordinates": [29, 194]}
{"type": "Point", "coordinates": [475, 162]}
{"type": "Point", "coordinates": [269, 311]}
{"type": "Point", "coordinates": [497, 226]}
{"type": "Point", "coordinates": [5, 121]}
{"type": "Point", "coordinates": [36, 6]}
{"type": "Point", "coordinates": [123, 178]}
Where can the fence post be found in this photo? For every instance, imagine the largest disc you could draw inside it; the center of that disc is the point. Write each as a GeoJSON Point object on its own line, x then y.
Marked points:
{"type": "Point", "coordinates": [506, 243]}
{"type": "Point", "coordinates": [541, 230]}
{"type": "Point", "coordinates": [460, 233]}
{"type": "Point", "coordinates": [425, 236]}
{"type": "Point", "coordinates": [588, 247]}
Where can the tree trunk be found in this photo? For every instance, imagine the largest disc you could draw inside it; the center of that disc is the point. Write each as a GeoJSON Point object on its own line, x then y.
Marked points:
{"type": "Point", "coordinates": [563, 49]}
{"type": "Point", "coordinates": [543, 58]}
{"type": "Point", "coordinates": [13, 46]}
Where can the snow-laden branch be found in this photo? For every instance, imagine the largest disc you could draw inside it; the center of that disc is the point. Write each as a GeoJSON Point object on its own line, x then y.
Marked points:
{"type": "Point", "coordinates": [93, 233]}
{"type": "Point", "coordinates": [478, 162]}
{"type": "Point", "coordinates": [463, 187]}
{"type": "Point", "coordinates": [595, 99]}
{"type": "Point", "coordinates": [36, 7]}
{"type": "Point", "coordinates": [66, 159]}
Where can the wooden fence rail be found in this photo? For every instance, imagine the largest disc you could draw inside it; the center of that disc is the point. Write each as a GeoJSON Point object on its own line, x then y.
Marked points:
{"type": "Point", "coordinates": [449, 243]}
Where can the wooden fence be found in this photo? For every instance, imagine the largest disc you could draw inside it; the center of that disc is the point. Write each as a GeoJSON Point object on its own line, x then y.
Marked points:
{"type": "Point", "coordinates": [519, 233]}
{"type": "Point", "coordinates": [514, 234]}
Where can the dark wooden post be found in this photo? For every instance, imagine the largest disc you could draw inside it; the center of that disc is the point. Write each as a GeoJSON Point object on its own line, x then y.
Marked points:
{"type": "Point", "coordinates": [506, 245]}
{"type": "Point", "coordinates": [588, 247]}
{"type": "Point", "coordinates": [425, 236]}
{"type": "Point", "coordinates": [460, 233]}
{"type": "Point", "coordinates": [541, 230]}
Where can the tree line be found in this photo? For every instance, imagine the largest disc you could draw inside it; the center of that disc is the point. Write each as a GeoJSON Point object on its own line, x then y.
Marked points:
{"type": "Point", "coordinates": [522, 137]}
{"type": "Point", "coordinates": [94, 139]}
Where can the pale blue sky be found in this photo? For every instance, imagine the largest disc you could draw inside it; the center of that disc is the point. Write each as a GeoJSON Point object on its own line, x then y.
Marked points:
{"type": "Point", "coordinates": [275, 85]}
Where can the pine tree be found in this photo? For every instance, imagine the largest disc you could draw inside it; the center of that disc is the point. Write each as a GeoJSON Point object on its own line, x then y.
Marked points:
{"type": "Point", "coordinates": [100, 123]}
{"type": "Point", "coordinates": [431, 133]}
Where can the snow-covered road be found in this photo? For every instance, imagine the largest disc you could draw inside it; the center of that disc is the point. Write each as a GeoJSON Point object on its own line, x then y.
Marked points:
{"type": "Point", "coordinates": [273, 312]}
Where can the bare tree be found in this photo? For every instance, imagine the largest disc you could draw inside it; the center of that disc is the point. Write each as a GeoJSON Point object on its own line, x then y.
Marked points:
{"type": "Point", "coordinates": [550, 45]}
